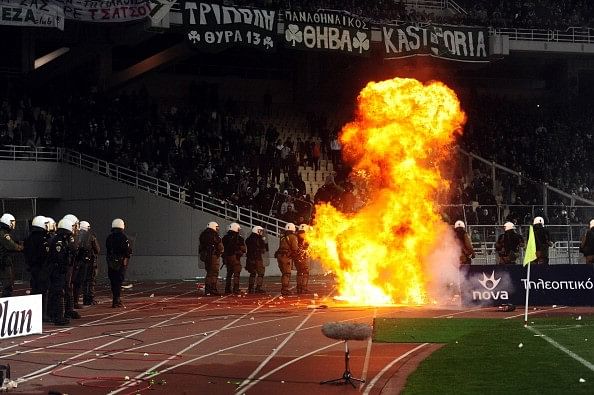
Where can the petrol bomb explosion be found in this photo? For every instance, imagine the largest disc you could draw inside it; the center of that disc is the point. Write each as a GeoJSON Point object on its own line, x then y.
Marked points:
{"type": "Point", "coordinates": [401, 136]}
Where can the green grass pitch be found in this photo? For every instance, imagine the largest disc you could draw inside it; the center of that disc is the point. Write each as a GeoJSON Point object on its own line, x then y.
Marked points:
{"type": "Point", "coordinates": [494, 356]}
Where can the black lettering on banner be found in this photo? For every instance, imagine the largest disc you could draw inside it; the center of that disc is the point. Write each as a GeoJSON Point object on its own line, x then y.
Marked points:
{"type": "Point", "coordinates": [213, 27]}
{"type": "Point", "coordinates": [327, 31]}
{"type": "Point", "coordinates": [449, 42]}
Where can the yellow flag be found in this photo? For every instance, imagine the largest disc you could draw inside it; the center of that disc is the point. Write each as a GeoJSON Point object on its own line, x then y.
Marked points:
{"type": "Point", "coordinates": [530, 253]}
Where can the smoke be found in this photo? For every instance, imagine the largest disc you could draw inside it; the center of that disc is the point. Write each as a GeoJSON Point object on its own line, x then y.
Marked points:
{"type": "Point", "coordinates": [442, 267]}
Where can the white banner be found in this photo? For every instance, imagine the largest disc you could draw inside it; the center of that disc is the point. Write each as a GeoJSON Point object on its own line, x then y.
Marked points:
{"type": "Point", "coordinates": [105, 10]}
{"type": "Point", "coordinates": [20, 316]}
{"type": "Point", "coordinates": [36, 13]}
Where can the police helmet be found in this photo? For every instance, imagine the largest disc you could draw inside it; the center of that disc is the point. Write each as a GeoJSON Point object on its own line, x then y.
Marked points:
{"type": "Point", "coordinates": [41, 222]}
{"type": "Point", "coordinates": [8, 219]}
{"type": "Point", "coordinates": [234, 227]}
{"type": "Point", "coordinates": [67, 224]}
{"type": "Point", "coordinates": [51, 224]}
{"type": "Point", "coordinates": [509, 226]}
{"type": "Point", "coordinates": [591, 223]}
{"type": "Point", "coordinates": [257, 230]}
{"type": "Point", "coordinates": [213, 225]}
{"type": "Point", "coordinates": [72, 218]}
{"type": "Point", "coordinates": [290, 227]}
{"type": "Point", "coordinates": [303, 228]}
{"type": "Point", "coordinates": [118, 223]}
{"type": "Point", "coordinates": [538, 220]}
{"type": "Point", "coordinates": [459, 224]}
{"type": "Point", "coordinates": [84, 225]}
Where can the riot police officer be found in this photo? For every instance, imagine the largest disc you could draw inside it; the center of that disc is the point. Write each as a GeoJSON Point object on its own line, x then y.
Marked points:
{"type": "Point", "coordinates": [542, 239]}
{"type": "Point", "coordinates": [62, 248]}
{"type": "Point", "coordinates": [256, 246]}
{"type": "Point", "coordinates": [463, 240]}
{"type": "Point", "coordinates": [508, 245]}
{"type": "Point", "coordinates": [73, 269]}
{"type": "Point", "coordinates": [288, 249]}
{"type": "Point", "coordinates": [210, 249]}
{"type": "Point", "coordinates": [51, 227]}
{"type": "Point", "coordinates": [117, 254]}
{"type": "Point", "coordinates": [88, 249]}
{"type": "Point", "coordinates": [234, 249]}
{"type": "Point", "coordinates": [302, 260]}
{"type": "Point", "coordinates": [7, 246]}
{"type": "Point", "coordinates": [36, 250]}
{"type": "Point", "coordinates": [587, 244]}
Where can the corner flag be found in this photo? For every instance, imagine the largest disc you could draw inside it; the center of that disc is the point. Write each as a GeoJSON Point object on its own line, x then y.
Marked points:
{"type": "Point", "coordinates": [530, 253]}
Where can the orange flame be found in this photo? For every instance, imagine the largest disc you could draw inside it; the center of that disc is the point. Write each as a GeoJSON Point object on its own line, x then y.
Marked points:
{"type": "Point", "coordinates": [401, 136]}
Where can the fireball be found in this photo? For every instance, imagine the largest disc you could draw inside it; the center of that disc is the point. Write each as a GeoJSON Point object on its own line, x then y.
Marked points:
{"type": "Point", "coordinates": [401, 135]}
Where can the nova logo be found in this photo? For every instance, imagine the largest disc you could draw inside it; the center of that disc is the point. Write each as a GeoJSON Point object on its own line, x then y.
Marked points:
{"type": "Point", "coordinates": [494, 283]}
{"type": "Point", "coordinates": [489, 284]}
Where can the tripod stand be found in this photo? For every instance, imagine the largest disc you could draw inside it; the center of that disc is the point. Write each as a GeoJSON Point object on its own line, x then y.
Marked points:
{"type": "Point", "coordinates": [347, 377]}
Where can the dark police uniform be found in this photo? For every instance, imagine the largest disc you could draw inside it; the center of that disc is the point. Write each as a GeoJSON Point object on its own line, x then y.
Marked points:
{"type": "Point", "coordinates": [88, 249]}
{"type": "Point", "coordinates": [234, 246]}
{"type": "Point", "coordinates": [254, 264]}
{"type": "Point", "coordinates": [210, 249]}
{"type": "Point", "coordinates": [302, 263]}
{"type": "Point", "coordinates": [508, 247]}
{"type": "Point", "coordinates": [62, 248]}
{"type": "Point", "coordinates": [587, 246]}
{"type": "Point", "coordinates": [118, 252]}
{"type": "Point", "coordinates": [36, 249]}
{"type": "Point", "coordinates": [287, 250]}
{"type": "Point", "coordinates": [542, 239]}
{"type": "Point", "coordinates": [466, 250]}
{"type": "Point", "coordinates": [7, 245]}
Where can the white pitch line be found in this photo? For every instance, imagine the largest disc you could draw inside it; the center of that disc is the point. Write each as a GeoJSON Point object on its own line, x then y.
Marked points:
{"type": "Point", "coordinates": [535, 312]}
{"type": "Point", "coordinates": [284, 365]}
{"type": "Point", "coordinates": [140, 376]}
{"type": "Point", "coordinates": [30, 376]}
{"type": "Point", "coordinates": [459, 312]}
{"type": "Point", "coordinates": [270, 356]}
{"type": "Point", "coordinates": [388, 366]}
{"type": "Point", "coordinates": [558, 346]}
{"type": "Point", "coordinates": [367, 355]}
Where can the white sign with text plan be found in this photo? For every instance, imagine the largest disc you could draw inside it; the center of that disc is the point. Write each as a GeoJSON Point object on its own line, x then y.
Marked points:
{"type": "Point", "coordinates": [20, 316]}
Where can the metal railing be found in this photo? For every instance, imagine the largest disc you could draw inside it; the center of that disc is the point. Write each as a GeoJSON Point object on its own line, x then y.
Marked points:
{"type": "Point", "coordinates": [156, 186]}
{"type": "Point", "coordinates": [571, 35]}
{"type": "Point", "coordinates": [565, 238]}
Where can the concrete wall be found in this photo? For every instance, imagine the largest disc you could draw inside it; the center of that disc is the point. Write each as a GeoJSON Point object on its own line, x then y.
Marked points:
{"type": "Point", "coordinates": [164, 233]}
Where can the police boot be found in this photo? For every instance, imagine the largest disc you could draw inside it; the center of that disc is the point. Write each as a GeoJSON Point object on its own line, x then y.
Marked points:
{"type": "Point", "coordinates": [304, 281]}
{"type": "Point", "coordinates": [259, 281]}
{"type": "Point", "coordinates": [72, 314]}
{"type": "Point", "coordinates": [59, 318]}
{"type": "Point", "coordinates": [251, 282]}
{"type": "Point", "coordinates": [228, 285]}
{"type": "Point", "coordinates": [285, 282]}
{"type": "Point", "coordinates": [236, 290]}
{"type": "Point", "coordinates": [298, 283]}
{"type": "Point", "coordinates": [76, 297]}
{"type": "Point", "coordinates": [45, 316]}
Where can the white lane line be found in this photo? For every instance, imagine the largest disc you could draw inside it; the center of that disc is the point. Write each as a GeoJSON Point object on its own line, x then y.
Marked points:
{"type": "Point", "coordinates": [145, 345]}
{"type": "Point", "coordinates": [140, 376]}
{"type": "Point", "coordinates": [558, 346]}
{"type": "Point", "coordinates": [37, 338]}
{"type": "Point", "coordinates": [64, 343]}
{"type": "Point", "coordinates": [367, 355]}
{"type": "Point", "coordinates": [248, 383]}
{"type": "Point", "coordinates": [535, 312]}
{"type": "Point", "coordinates": [374, 381]}
{"type": "Point", "coordinates": [136, 332]}
{"type": "Point", "coordinates": [284, 365]}
{"type": "Point", "coordinates": [460, 312]}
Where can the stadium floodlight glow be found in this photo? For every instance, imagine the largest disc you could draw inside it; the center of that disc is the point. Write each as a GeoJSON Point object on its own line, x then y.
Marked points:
{"type": "Point", "coordinates": [50, 57]}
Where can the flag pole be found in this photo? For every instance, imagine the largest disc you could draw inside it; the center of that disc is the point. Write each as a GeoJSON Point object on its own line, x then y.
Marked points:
{"type": "Point", "coordinates": [527, 294]}
{"type": "Point", "coordinates": [529, 256]}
